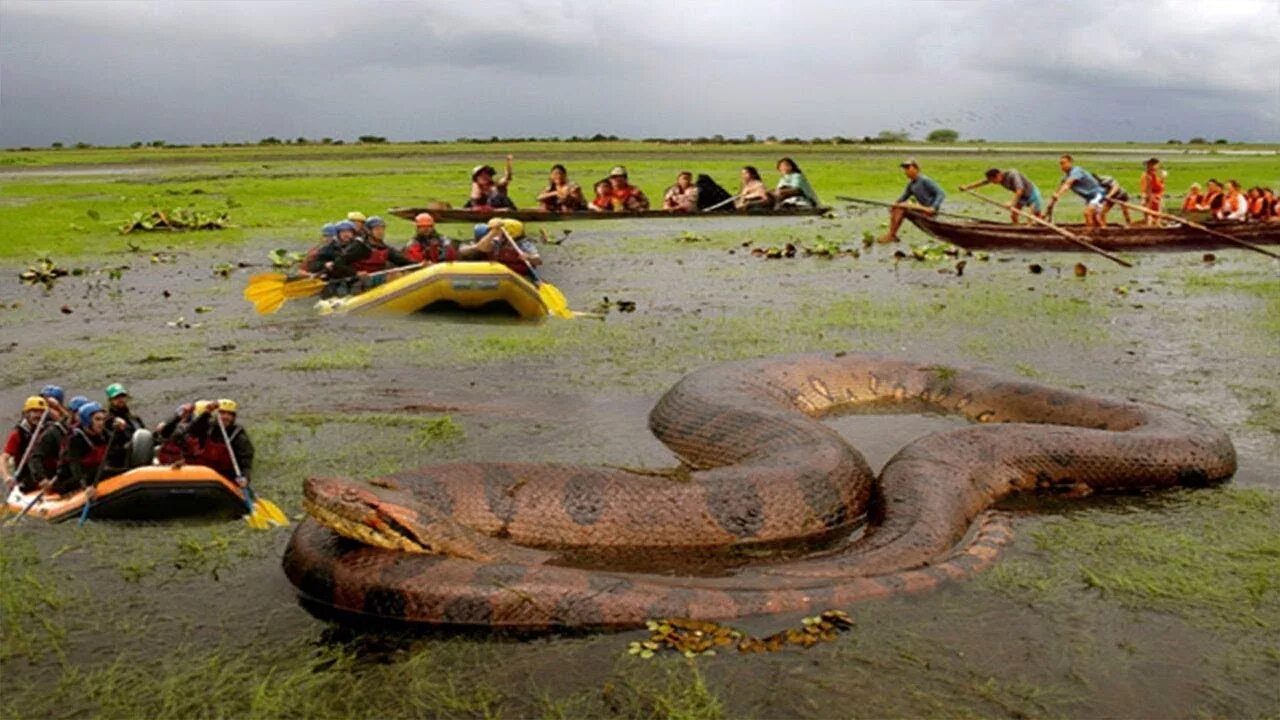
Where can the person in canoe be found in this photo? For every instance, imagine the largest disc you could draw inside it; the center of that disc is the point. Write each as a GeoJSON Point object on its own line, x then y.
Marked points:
{"type": "Point", "coordinates": [1151, 185]}
{"type": "Point", "coordinates": [224, 453]}
{"type": "Point", "coordinates": [1259, 203]}
{"type": "Point", "coordinates": [1114, 192]}
{"type": "Point", "coordinates": [505, 243]}
{"type": "Point", "coordinates": [1213, 196]}
{"type": "Point", "coordinates": [1082, 183]}
{"type": "Point", "coordinates": [489, 192]}
{"type": "Point", "coordinates": [561, 194]}
{"type": "Point", "coordinates": [926, 196]}
{"type": "Point", "coordinates": [1235, 206]}
{"type": "Point", "coordinates": [603, 201]}
{"type": "Point", "coordinates": [31, 424]}
{"type": "Point", "coordinates": [427, 245]}
{"type": "Point", "coordinates": [1194, 199]}
{"type": "Point", "coordinates": [793, 189]}
{"type": "Point", "coordinates": [625, 196]}
{"type": "Point", "coordinates": [752, 192]}
{"type": "Point", "coordinates": [683, 196]}
{"type": "Point", "coordinates": [357, 218]}
{"type": "Point", "coordinates": [1025, 192]}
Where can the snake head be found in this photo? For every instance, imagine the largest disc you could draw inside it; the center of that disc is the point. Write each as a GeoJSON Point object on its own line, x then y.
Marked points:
{"type": "Point", "coordinates": [374, 515]}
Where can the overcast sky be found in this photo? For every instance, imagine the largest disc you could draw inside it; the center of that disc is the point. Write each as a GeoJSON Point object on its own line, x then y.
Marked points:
{"type": "Point", "coordinates": [115, 72]}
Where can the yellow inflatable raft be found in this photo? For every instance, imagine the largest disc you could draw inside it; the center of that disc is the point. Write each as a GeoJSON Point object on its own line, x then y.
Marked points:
{"type": "Point", "coordinates": [469, 285]}
{"type": "Point", "coordinates": [151, 492]}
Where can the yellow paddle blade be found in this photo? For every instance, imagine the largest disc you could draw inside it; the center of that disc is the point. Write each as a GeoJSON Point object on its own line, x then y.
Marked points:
{"type": "Point", "coordinates": [271, 512]}
{"type": "Point", "coordinates": [304, 287]}
{"type": "Point", "coordinates": [263, 282]}
{"type": "Point", "coordinates": [554, 300]}
{"type": "Point", "coordinates": [268, 306]}
{"type": "Point", "coordinates": [256, 520]}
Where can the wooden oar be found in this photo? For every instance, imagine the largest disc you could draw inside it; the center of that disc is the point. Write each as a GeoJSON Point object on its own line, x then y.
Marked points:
{"type": "Point", "coordinates": [97, 477]}
{"type": "Point", "coordinates": [1201, 228]}
{"type": "Point", "coordinates": [263, 513]}
{"type": "Point", "coordinates": [878, 203]}
{"type": "Point", "coordinates": [1064, 233]}
{"type": "Point", "coordinates": [722, 203]}
{"type": "Point", "coordinates": [550, 294]}
{"type": "Point", "coordinates": [35, 436]}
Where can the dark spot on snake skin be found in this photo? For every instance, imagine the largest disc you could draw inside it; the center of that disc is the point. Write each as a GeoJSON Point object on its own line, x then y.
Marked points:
{"type": "Point", "coordinates": [577, 610]}
{"type": "Point", "coordinates": [823, 498]}
{"type": "Point", "coordinates": [737, 508]}
{"type": "Point", "coordinates": [675, 603]}
{"type": "Point", "coordinates": [384, 602]}
{"type": "Point", "coordinates": [821, 388]}
{"type": "Point", "coordinates": [427, 490]}
{"type": "Point", "coordinates": [608, 583]}
{"type": "Point", "coordinates": [582, 499]}
{"type": "Point", "coordinates": [317, 583]}
{"type": "Point", "coordinates": [498, 483]}
{"type": "Point", "coordinates": [500, 575]}
{"type": "Point", "coordinates": [1193, 477]}
{"type": "Point", "coordinates": [467, 610]}
{"type": "Point", "coordinates": [892, 582]}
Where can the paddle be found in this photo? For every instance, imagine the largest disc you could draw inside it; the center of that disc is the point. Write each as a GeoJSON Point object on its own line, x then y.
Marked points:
{"type": "Point", "coordinates": [270, 294]}
{"type": "Point", "coordinates": [722, 203]}
{"type": "Point", "coordinates": [1064, 233]}
{"type": "Point", "coordinates": [1201, 228]}
{"type": "Point", "coordinates": [878, 203]}
{"type": "Point", "coordinates": [88, 494]}
{"type": "Point", "coordinates": [263, 513]}
{"type": "Point", "coordinates": [550, 294]}
{"type": "Point", "coordinates": [35, 437]}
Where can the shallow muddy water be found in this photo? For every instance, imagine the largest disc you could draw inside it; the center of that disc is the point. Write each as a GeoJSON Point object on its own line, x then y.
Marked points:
{"type": "Point", "coordinates": [173, 618]}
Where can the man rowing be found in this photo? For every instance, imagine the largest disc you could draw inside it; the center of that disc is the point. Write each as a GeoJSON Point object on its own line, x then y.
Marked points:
{"type": "Point", "coordinates": [1114, 194]}
{"type": "Point", "coordinates": [1082, 183]}
{"type": "Point", "coordinates": [1025, 192]}
{"type": "Point", "coordinates": [926, 194]}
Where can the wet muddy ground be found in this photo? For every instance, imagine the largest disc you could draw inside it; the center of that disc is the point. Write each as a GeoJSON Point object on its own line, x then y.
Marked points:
{"type": "Point", "coordinates": [1136, 606]}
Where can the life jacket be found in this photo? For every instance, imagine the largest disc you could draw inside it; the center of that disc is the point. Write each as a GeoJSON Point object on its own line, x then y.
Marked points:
{"type": "Point", "coordinates": [376, 259]}
{"type": "Point", "coordinates": [97, 450]}
{"type": "Point", "coordinates": [1155, 184]}
{"type": "Point", "coordinates": [604, 202]}
{"type": "Point", "coordinates": [216, 453]}
{"type": "Point", "coordinates": [509, 255]}
{"type": "Point", "coordinates": [24, 431]}
{"type": "Point", "coordinates": [424, 250]}
{"type": "Point", "coordinates": [622, 195]}
{"type": "Point", "coordinates": [1213, 201]}
{"type": "Point", "coordinates": [1192, 202]}
{"type": "Point", "coordinates": [1258, 207]}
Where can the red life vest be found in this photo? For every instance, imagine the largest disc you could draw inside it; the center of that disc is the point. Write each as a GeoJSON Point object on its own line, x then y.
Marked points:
{"type": "Point", "coordinates": [510, 256]}
{"type": "Point", "coordinates": [377, 259]}
{"type": "Point", "coordinates": [97, 450]}
{"type": "Point", "coordinates": [216, 454]}
{"type": "Point", "coordinates": [429, 252]}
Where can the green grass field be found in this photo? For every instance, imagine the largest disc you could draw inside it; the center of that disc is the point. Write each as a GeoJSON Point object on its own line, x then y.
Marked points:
{"type": "Point", "coordinates": [75, 200]}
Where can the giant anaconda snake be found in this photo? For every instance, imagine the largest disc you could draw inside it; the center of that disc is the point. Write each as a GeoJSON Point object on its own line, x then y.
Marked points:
{"type": "Point", "coordinates": [763, 471]}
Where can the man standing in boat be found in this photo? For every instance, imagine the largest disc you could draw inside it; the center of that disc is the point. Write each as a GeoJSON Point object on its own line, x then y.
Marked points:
{"type": "Point", "coordinates": [1025, 192]}
{"type": "Point", "coordinates": [1081, 182]}
{"type": "Point", "coordinates": [926, 193]}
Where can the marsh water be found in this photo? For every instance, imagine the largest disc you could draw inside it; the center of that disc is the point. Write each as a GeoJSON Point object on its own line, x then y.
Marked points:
{"type": "Point", "coordinates": [174, 618]}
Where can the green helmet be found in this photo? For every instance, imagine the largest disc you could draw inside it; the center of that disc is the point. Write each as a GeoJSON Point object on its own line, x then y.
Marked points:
{"type": "Point", "coordinates": [115, 390]}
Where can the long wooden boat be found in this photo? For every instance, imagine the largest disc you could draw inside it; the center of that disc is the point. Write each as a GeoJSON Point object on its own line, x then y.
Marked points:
{"type": "Point", "coordinates": [466, 285]}
{"type": "Point", "coordinates": [144, 493]}
{"type": "Point", "coordinates": [995, 235]}
{"type": "Point", "coordinates": [479, 216]}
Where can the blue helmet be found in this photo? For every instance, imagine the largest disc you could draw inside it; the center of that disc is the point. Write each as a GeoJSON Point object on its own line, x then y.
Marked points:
{"type": "Point", "coordinates": [329, 230]}
{"type": "Point", "coordinates": [480, 230]}
{"type": "Point", "coordinates": [346, 225]}
{"type": "Point", "coordinates": [77, 402]}
{"type": "Point", "coordinates": [374, 222]}
{"type": "Point", "coordinates": [87, 411]}
{"type": "Point", "coordinates": [52, 391]}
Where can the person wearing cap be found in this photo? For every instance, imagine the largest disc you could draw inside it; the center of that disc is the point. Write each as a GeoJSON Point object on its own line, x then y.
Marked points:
{"type": "Point", "coordinates": [1025, 192]}
{"type": "Point", "coordinates": [625, 196]}
{"type": "Point", "coordinates": [31, 423]}
{"type": "Point", "coordinates": [218, 450]}
{"type": "Point", "coordinates": [488, 193]}
{"type": "Point", "coordinates": [505, 243]}
{"type": "Point", "coordinates": [370, 254]}
{"type": "Point", "coordinates": [427, 245]}
{"type": "Point", "coordinates": [926, 193]}
{"type": "Point", "coordinates": [683, 196]}
{"type": "Point", "coordinates": [793, 188]}
{"type": "Point", "coordinates": [1082, 183]}
{"type": "Point", "coordinates": [1151, 185]}
{"type": "Point", "coordinates": [357, 218]}
{"type": "Point", "coordinates": [561, 193]}
{"type": "Point", "coordinates": [124, 422]}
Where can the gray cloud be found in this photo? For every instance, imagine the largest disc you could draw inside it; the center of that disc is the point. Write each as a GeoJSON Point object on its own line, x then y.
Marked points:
{"type": "Point", "coordinates": [113, 72]}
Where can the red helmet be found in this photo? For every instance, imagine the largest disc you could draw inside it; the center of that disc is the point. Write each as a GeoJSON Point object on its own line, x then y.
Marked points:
{"type": "Point", "coordinates": [424, 220]}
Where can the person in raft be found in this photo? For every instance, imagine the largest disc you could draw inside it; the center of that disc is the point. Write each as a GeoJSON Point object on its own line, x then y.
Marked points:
{"type": "Point", "coordinates": [488, 193]}
{"type": "Point", "coordinates": [31, 423]}
{"type": "Point", "coordinates": [427, 245]}
{"type": "Point", "coordinates": [178, 445]}
{"type": "Point", "coordinates": [926, 193]}
{"type": "Point", "coordinates": [793, 189]}
{"type": "Point", "coordinates": [357, 218]}
{"type": "Point", "coordinates": [1151, 185]}
{"type": "Point", "coordinates": [603, 201]}
{"type": "Point", "coordinates": [505, 243]}
{"type": "Point", "coordinates": [323, 251]}
{"type": "Point", "coordinates": [221, 452]}
{"type": "Point", "coordinates": [561, 194]}
{"type": "Point", "coordinates": [125, 422]}
{"type": "Point", "coordinates": [86, 459]}
{"type": "Point", "coordinates": [752, 192]}
{"type": "Point", "coordinates": [47, 450]}
{"type": "Point", "coordinates": [370, 255]}
{"type": "Point", "coordinates": [624, 196]}
{"type": "Point", "coordinates": [1082, 183]}
{"type": "Point", "coordinates": [1025, 192]}
{"type": "Point", "coordinates": [683, 196]}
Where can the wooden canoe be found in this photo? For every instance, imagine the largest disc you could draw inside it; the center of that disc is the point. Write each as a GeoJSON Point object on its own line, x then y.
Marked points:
{"type": "Point", "coordinates": [996, 235]}
{"type": "Point", "coordinates": [479, 216]}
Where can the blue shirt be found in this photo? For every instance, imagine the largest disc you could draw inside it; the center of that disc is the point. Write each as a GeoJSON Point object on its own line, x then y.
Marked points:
{"type": "Point", "coordinates": [925, 191]}
{"type": "Point", "coordinates": [1084, 183]}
